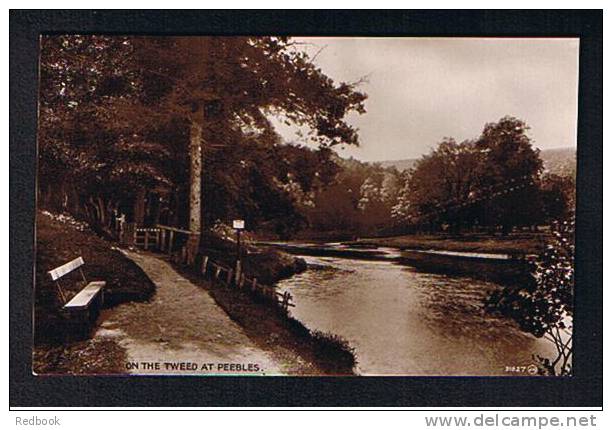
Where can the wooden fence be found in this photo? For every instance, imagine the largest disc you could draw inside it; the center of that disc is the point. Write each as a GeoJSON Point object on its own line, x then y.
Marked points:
{"type": "Point", "coordinates": [169, 236]}
{"type": "Point", "coordinates": [171, 240]}
{"type": "Point", "coordinates": [161, 238]}
{"type": "Point", "coordinates": [147, 238]}
{"type": "Point", "coordinates": [227, 277]}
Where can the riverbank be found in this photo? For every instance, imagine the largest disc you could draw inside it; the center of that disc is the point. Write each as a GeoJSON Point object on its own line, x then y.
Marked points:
{"type": "Point", "coordinates": [266, 264]}
{"type": "Point", "coordinates": [507, 269]}
{"type": "Point", "coordinates": [143, 326]}
{"type": "Point", "coordinates": [518, 244]}
{"type": "Point", "coordinates": [303, 351]}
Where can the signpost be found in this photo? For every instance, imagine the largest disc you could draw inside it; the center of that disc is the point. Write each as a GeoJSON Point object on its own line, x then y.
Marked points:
{"type": "Point", "coordinates": [238, 225]}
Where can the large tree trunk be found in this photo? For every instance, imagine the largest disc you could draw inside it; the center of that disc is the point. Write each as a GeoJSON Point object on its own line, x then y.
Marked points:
{"type": "Point", "coordinates": [195, 184]}
{"type": "Point", "coordinates": [195, 172]}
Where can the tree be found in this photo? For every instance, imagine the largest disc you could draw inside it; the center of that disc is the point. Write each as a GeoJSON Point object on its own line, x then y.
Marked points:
{"type": "Point", "coordinates": [119, 96]}
{"type": "Point", "coordinates": [355, 198]}
{"type": "Point", "coordinates": [378, 193]}
{"type": "Point", "coordinates": [511, 168]}
{"type": "Point", "coordinates": [227, 86]}
{"type": "Point", "coordinates": [490, 181]}
{"type": "Point", "coordinates": [336, 205]}
{"type": "Point", "coordinates": [441, 185]}
{"type": "Point", "coordinates": [93, 154]}
{"type": "Point", "coordinates": [545, 306]}
{"type": "Point", "coordinates": [558, 195]}
{"type": "Point", "coordinates": [270, 184]}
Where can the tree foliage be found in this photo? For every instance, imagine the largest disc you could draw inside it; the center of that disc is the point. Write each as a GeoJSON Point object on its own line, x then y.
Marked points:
{"type": "Point", "coordinates": [115, 114]}
{"type": "Point", "coordinates": [491, 181]}
{"type": "Point", "coordinates": [545, 306]}
{"type": "Point", "coordinates": [442, 183]}
{"type": "Point", "coordinates": [358, 200]}
{"type": "Point", "coordinates": [510, 164]}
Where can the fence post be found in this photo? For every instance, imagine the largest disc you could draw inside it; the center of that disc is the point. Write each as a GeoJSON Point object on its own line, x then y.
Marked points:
{"type": "Point", "coordinates": [146, 239]}
{"type": "Point", "coordinates": [162, 242]}
{"type": "Point", "coordinates": [170, 241]}
{"type": "Point", "coordinates": [183, 255]}
{"type": "Point", "coordinates": [129, 234]}
{"type": "Point", "coordinates": [204, 264]}
{"type": "Point", "coordinates": [238, 272]}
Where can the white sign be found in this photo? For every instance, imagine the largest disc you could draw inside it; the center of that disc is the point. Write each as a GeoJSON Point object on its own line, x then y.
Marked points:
{"type": "Point", "coordinates": [238, 224]}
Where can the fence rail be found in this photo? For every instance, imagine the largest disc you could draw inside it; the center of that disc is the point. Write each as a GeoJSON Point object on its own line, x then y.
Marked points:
{"type": "Point", "coordinates": [227, 277]}
{"type": "Point", "coordinates": [168, 236]}
{"type": "Point", "coordinates": [163, 238]}
{"type": "Point", "coordinates": [147, 237]}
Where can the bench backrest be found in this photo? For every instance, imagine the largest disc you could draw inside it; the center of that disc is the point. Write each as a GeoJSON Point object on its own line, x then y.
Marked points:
{"type": "Point", "coordinates": [64, 269]}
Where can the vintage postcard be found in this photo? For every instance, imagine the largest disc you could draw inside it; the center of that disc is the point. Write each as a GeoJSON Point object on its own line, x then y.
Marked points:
{"type": "Point", "coordinates": [305, 206]}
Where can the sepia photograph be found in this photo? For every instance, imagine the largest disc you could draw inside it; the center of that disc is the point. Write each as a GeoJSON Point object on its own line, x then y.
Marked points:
{"type": "Point", "coordinates": [305, 206]}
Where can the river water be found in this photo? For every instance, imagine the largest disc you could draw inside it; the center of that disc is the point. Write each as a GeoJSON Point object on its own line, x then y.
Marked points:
{"type": "Point", "coordinates": [402, 321]}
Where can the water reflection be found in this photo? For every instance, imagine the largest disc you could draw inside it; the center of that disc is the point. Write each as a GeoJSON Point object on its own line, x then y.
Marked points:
{"type": "Point", "coordinates": [405, 322]}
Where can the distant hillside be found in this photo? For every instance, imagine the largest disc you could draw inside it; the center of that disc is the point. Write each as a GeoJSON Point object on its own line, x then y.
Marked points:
{"type": "Point", "coordinates": [560, 161]}
{"type": "Point", "coordinates": [399, 164]}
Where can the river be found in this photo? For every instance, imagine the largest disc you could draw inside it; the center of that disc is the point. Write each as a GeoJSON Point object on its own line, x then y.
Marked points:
{"type": "Point", "coordinates": [403, 321]}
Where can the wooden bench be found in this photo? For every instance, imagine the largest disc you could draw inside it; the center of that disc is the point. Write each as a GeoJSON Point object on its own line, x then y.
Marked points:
{"type": "Point", "coordinates": [88, 301]}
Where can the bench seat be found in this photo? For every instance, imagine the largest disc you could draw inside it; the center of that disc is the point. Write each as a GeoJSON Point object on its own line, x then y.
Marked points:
{"type": "Point", "coordinates": [85, 296]}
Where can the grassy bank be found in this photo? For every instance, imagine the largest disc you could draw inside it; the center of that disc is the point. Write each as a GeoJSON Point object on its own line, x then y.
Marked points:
{"type": "Point", "coordinates": [91, 356]}
{"type": "Point", "coordinates": [266, 264]}
{"type": "Point", "coordinates": [60, 239]}
{"type": "Point", "coordinates": [514, 244]}
{"type": "Point", "coordinates": [305, 352]}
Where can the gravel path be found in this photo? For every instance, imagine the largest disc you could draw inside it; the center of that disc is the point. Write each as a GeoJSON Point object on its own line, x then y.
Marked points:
{"type": "Point", "coordinates": [181, 324]}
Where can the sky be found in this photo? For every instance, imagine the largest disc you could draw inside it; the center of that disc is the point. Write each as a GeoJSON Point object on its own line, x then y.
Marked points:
{"type": "Point", "coordinates": [421, 90]}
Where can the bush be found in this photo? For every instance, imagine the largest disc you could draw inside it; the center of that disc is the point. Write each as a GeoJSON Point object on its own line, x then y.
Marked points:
{"type": "Point", "coordinates": [334, 348]}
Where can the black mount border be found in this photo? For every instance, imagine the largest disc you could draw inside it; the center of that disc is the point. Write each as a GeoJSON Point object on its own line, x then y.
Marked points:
{"type": "Point", "coordinates": [584, 389]}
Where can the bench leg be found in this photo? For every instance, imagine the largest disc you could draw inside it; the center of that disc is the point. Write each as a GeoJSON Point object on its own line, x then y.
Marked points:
{"type": "Point", "coordinates": [77, 325]}
{"type": "Point", "coordinates": [81, 322]}
{"type": "Point", "coordinates": [96, 306]}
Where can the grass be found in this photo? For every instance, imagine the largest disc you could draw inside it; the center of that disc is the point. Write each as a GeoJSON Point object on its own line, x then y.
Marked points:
{"type": "Point", "coordinates": [91, 356]}
{"type": "Point", "coordinates": [58, 240]}
{"type": "Point", "coordinates": [515, 244]}
{"type": "Point", "coordinates": [305, 352]}
{"type": "Point", "coordinates": [329, 346]}
{"type": "Point", "coordinates": [266, 264]}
